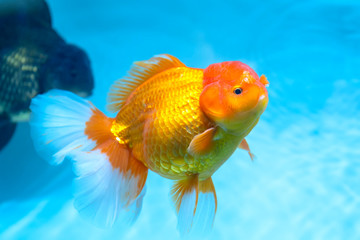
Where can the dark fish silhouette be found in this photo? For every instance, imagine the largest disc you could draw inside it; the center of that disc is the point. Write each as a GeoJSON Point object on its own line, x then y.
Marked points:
{"type": "Point", "coordinates": [33, 60]}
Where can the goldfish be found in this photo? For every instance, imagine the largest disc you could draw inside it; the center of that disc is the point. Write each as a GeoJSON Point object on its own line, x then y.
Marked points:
{"type": "Point", "coordinates": [180, 122]}
{"type": "Point", "coordinates": [34, 58]}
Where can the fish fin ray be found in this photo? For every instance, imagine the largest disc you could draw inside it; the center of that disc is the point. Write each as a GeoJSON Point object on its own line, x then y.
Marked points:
{"type": "Point", "coordinates": [108, 192]}
{"type": "Point", "coordinates": [202, 143]}
{"type": "Point", "coordinates": [245, 146]}
{"type": "Point", "coordinates": [185, 196]}
{"type": "Point", "coordinates": [134, 209]}
{"type": "Point", "coordinates": [139, 73]}
{"type": "Point", "coordinates": [206, 208]}
{"type": "Point", "coordinates": [110, 180]}
{"type": "Point", "coordinates": [58, 120]}
{"type": "Point", "coordinates": [108, 195]}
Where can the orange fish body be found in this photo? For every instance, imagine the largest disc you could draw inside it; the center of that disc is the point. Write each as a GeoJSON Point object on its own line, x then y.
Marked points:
{"type": "Point", "coordinates": [167, 116]}
{"type": "Point", "coordinates": [182, 123]}
{"type": "Point", "coordinates": [167, 120]}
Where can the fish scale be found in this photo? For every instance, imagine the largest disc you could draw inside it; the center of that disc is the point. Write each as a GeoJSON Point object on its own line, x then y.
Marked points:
{"type": "Point", "coordinates": [168, 104]}
{"type": "Point", "coordinates": [24, 82]}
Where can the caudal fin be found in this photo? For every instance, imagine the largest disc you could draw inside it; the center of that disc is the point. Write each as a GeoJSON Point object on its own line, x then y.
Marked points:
{"type": "Point", "coordinates": [196, 204]}
{"type": "Point", "coordinates": [110, 182]}
{"type": "Point", "coordinates": [57, 122]}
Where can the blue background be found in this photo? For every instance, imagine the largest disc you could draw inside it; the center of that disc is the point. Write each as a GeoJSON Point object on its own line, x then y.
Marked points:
{"type": "Point", "coordinates": [305, 181]}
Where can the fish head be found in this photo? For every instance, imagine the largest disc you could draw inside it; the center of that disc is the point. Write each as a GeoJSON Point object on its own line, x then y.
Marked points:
{"type": "Point", "coordinates": [234, 96]}
{"type": "Point", "coordinates": [69, 69]}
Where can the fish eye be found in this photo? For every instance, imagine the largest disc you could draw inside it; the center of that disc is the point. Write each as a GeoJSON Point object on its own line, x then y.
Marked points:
{"type": "Point", "coordinates": [238, 91]}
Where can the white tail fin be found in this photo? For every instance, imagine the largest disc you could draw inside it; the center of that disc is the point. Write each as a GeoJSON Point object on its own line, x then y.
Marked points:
{"type": "Point", "coordinates": [103, 193]}
{"type": "Point", "coordinates": [57, 124]}
{"type": "Point", "coordinates": [110, 183]}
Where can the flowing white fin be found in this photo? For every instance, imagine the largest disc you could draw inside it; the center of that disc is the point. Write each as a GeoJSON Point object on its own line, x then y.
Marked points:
{"type": "Point", "coordinates": [195, 203]}
{"type": "Point", "coordinates": [110, 183]}
{"type": "Point", "coordinates": [103, 193]}
{"type": "Point", "coordinates": [57, 124]}
{"type": "Point", "coordinates": [206, 208]}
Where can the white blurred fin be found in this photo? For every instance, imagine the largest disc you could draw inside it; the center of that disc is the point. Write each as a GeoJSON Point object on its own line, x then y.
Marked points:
{"type": "Point", "coordinates": [105, 194]}
{"type": "Point", "coordinates": [110, 180]}
{"type": "Point", "coordinates": [57, 123]}
{"type": "Point", "coordinates": [195, 203]}
{"type": "Point", "coordinates": [206, 208]}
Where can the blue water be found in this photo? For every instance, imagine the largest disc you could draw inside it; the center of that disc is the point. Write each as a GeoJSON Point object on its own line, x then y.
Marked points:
{"type": "Point", "coordinates": [305, 181]}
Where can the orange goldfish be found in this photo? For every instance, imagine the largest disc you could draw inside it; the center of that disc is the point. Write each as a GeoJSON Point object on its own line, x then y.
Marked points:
{"type": "Point", "coordinates": [182, 123]}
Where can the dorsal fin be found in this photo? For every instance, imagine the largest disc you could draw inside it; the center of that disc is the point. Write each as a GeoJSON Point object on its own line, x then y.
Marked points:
{"type": "Point", "coordinates": [139, 73]}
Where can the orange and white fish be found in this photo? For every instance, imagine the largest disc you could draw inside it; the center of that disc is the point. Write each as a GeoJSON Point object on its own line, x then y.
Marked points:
{"type": "Point", "coordinates": [182, 123]}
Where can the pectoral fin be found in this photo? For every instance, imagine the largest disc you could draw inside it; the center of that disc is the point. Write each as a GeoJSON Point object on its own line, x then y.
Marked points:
{"type": "Point", "coordinates": [202, 143]}
{"type": "Point", "coordinates": [245, 146]}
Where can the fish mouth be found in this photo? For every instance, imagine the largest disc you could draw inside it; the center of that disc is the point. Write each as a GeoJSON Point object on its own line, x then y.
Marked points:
{"type": "Point", "coordinates": [263, 93]}
{"type": "Point", "coordinates": [261, 97]}
{"type": "Point", "coordinates": [262, 101]}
